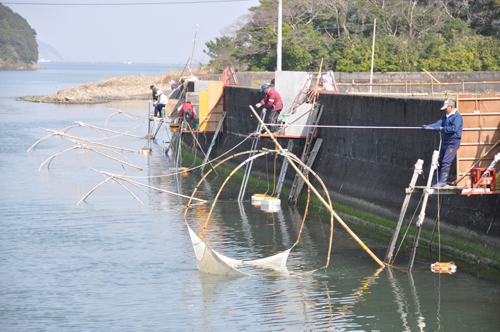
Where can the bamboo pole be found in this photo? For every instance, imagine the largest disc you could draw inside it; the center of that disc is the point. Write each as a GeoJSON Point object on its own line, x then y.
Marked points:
{"type": "Point", "coordinates": [431, 76]}
{"type": "Point", "coordinates": [58, 133]}
{"type": "Point", "coordinates": [207, 173]}
{"type": "Point", "coordinates": [241, 165]}
{"type": "Point", "coordinates": [192, 52]}
{"type": "Point", "coordinates": [62, 131]}
{"type": "Point", "coordinates": [145, 185]}
{"type": "Point", "coordinates": [105, 129]}
{"type": "Point", "coordinates": [131, 193]}
{"type": "Point", "coordinates": [123, 112]}
{"type": "Point", "coordinates": [61, 152]}
{"type": "Point", "coordinates": [305, 166]}
{"type": "Point", "coordinates": [90, 192]}
{"type": "Point", "coordinates": [317, 194]}
{"type": "Point", "coordinates": [116, 159]}
{"type": "Point", "coordinates": [305, 212]}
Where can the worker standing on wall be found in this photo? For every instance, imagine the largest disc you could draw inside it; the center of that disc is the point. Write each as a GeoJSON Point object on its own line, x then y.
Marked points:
{"type": "Point", "coordinates": [272, 101]}
{"type": "Point", "coordinates": [451, 124]}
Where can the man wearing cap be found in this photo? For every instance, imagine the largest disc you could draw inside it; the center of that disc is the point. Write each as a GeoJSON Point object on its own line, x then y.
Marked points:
{"type": "Point", "coordinates": [155, 90]}
{"type": "Point", "coordinates": [451, 124]}
{"type": "Point", "coordinates": [161, 102]}
{"type": "Point", "coordinates": [272, 101]}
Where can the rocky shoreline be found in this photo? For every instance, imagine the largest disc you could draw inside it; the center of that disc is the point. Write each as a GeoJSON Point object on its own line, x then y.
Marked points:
{"type": "Point", "coordinates": [117, 88]}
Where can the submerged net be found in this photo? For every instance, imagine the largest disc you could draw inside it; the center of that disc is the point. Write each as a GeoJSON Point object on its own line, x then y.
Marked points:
{"type": "Point", "coordinates": [210, 261]}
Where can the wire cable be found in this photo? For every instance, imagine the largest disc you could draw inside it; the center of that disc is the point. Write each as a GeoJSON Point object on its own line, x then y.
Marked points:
{"type": "Point", "coordinates": [121, 3]}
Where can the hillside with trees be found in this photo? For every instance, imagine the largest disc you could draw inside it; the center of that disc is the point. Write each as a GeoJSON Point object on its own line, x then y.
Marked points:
{"type": "Point", "coordinates": [18, 46]}
{"type": "Point", "coordinates": [435, 35]}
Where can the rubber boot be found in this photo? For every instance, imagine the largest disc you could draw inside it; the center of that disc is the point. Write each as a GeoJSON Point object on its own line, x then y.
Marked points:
{"type": "Point", "coordinates": [435, 179]}
{"type": "Point", "coordinates": [443, 176]}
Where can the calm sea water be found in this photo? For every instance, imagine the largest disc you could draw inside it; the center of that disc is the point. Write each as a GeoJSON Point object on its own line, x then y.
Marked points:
{"type": "Point", "coordinates": [110, 264]}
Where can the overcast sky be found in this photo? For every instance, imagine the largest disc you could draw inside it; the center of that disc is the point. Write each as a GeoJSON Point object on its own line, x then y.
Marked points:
{"type": "Point", "coordinates": [137, 33]}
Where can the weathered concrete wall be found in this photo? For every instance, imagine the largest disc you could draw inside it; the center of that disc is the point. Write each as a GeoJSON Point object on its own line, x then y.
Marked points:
{"type": "Point", "coordinates": [453, 82]}
{"type": "Point", "coordinates": [368, 168]}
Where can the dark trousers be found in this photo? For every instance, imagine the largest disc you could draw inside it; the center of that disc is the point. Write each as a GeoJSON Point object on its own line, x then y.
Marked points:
{"type": "Point", "coordinates": [158, 109]}
{"type": "Point", "coordinates": [273, 117]}
{"type": "Point", "coordinates": [447, 153]}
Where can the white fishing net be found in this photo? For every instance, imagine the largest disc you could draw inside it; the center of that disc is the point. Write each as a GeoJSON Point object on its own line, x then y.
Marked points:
{"type": "Point", "coordinates": [210, 261]}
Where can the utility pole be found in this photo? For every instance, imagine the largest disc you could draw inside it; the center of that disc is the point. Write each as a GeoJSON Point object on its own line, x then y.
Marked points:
{"type": "Point", "coordinates": [373, 51]}
{"type": "Point", "coordinates": [278, 47]}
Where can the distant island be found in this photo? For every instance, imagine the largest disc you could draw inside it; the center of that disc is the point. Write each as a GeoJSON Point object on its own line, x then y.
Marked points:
{"type": "Point", "coordinates": [18, 46]}
{"type": "Point", "coordinates": [47, 53]}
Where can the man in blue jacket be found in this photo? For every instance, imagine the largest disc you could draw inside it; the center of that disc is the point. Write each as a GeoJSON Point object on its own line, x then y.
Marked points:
{"type": "Point", "coordinates": [451, 124]}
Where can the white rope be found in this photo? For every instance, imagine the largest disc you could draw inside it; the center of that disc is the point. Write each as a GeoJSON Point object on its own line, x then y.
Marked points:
{"type": "Point", "coordinates": [346, 127]}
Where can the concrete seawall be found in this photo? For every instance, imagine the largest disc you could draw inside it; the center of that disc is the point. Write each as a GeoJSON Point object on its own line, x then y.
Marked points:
{"type": "Point", "coordinates": [369, 168]}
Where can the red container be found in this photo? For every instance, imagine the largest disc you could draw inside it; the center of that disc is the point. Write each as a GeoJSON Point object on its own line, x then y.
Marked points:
{"type": "Point", "coordinates": [488, 180]}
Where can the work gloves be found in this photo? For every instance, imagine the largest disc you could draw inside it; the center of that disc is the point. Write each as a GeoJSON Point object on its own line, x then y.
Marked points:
{"type": "Point", "coordinates": [425, 127]}
{"type": "Point", "coordinates": [258, 105]}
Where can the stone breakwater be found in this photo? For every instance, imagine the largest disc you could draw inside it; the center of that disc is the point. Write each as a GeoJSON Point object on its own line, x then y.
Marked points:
{"type": "Point", "coordinates": [117, 88]}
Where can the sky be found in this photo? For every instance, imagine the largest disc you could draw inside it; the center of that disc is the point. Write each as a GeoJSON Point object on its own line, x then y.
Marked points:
{"type": "Point", "coordinates": [161, 33]}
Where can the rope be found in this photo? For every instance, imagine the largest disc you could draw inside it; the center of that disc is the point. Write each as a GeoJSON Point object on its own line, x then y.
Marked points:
{"type": "Point", "coordinates": [407, 229]}
{"type": "Point", "coordinates": [345, 127]}
{"type": "Point", "coordinates": [274, 178]}
{"type": "Point", "coordinates": [175, 173]}
{"type": "Point", "coordinates": [434, 229]}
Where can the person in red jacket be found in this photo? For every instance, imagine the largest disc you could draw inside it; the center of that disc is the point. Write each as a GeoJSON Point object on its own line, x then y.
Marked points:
{"type": "Point", "coordinates": [272, 101]}
{"type": "Point", "coordinates": [188, 116]}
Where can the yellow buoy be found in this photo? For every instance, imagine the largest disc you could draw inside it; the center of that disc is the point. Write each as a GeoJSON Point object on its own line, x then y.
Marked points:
{"type": "Point", "coordinates": [174, 127]}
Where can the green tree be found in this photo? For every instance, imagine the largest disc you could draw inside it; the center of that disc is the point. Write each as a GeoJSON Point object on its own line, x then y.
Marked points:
{"type": "Point", "coordinates": [411, 36]}
{"type": "Point", "coordinates": [17, 39]}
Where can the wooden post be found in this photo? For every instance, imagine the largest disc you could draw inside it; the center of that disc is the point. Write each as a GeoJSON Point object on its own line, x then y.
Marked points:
{"type": "Point", "coordinates": [417, 171]}
{"type": "Point", "coordinates": [421, 216]}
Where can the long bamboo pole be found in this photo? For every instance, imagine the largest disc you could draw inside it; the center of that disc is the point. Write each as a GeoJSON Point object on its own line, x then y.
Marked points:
{"type": "Point", "coordinates": [105, 129]}
{"type": "Point", "coordinates": [145, 185]}
{"type": "Point", "coordinates": [241, 165]}
{"type": "Point", "coordinates": [62, 131]}
{"type": "Point", "coordinates": [131, 193]}
{"type": "Point", "coordinates": [70, 136]}
{"type": "Point", "coordinates": [192, 52]}
{"type": "Point", "coordinates": [90, 192]}
{"type": "Point", "coordinates": [61, 152]}
{"type": "Point", "coordinates": [354, 236]}
{"type": "Point", "coordinates": [207, 173]}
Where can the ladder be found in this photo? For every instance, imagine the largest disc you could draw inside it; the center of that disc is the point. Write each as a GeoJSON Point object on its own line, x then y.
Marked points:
{"type": "Point", "coordinates": [248, 167]}
{"type": "Point", "coordinates": [219, 126]}
{"type": "Point", "coordinates": [234, 75]}
{"type": "Point", "coordinates": [298, 183]}
{"type": "Point", "coordinates": [284, 168]}
{"type": "Point", "coordinates": [159, 126]}
{"type": "Point", "coordinates": [292, 199]}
